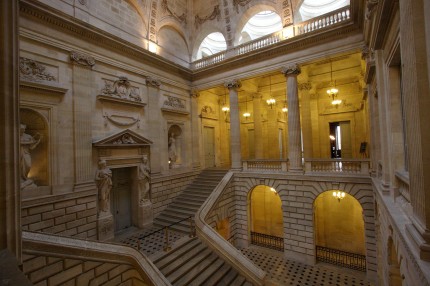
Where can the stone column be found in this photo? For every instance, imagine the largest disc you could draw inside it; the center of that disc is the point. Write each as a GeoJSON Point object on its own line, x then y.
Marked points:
{"type": "Point", "coordinates": [82, 113]}
{"type": "Point", "coordinates": [294, 140]}
{"type": "Point", "coordinates": [10, 212]}
{"type": "Point", "coordinates": [258, 127]}
{"type": "Point", "coordinates": [306, 119]}
{"type": "Point", "coordinates": [158, 150]}
{"type": "Point", "coordinates": [195, 134]}
{"type": "Point", "coordinates": [235, 147]}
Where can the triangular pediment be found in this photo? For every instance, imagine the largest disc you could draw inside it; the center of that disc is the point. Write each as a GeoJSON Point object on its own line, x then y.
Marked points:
{"type": "Point", "coordinates": [125, 138]}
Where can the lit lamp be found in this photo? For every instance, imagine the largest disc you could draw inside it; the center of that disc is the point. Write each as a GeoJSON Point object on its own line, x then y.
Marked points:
{"type": "Point", "coordinates": [246, 114]}
{"type": "Point", "coordinates": [339, 195]}
{"type": "Point", "coordinates": [225, 108]}
{"type": "Point", "coordinates": [271, 101]}
{"type": "Point", "coordinates": [332, 92]}
{"type": "Point", "coordinates": [285, 108]}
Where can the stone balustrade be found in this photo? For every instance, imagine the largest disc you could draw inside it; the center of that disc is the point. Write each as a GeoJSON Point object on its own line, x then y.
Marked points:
{"type": "Point", "coordinates": [323, 21]}
{"type": "Point", "coordinates": [338, 166]}
{"type": "Point", "coordinates": [402, 180]}
{"type": "Point", "coordinates": [265, 165]}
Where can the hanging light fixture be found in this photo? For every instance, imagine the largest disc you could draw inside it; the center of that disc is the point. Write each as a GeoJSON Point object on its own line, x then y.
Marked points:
{"type": "Point", "coordinates": [225, 107]}
{"type": "Point", "coordinates": [333, 91]}
{"type": "Point", "coordinates": [285, 108]}
{"type": "Point", "coordinates": [271, 101]}
{"type": "Point", "coordinates": [246, 114]}
{"type": "Point", "coordinates": [339, 195]}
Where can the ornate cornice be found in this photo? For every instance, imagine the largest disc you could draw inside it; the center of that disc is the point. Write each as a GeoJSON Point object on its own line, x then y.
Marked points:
{"type": "Point", "coordinates": [233, 84]}
{"type": "Point", "coordinates": [216, 13]}
{"type": "Point", "coordinates": [82, 59]}
{"type": "Point", "coordinates": [292, 70]}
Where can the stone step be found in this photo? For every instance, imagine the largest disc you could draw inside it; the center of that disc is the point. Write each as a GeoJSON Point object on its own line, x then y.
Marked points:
{"type": "Point", "coordinates": [180, 265]}
{"type": "Point", "coordinates": [207, 273]}
{"type": "Point", "coordinates": [180, 250]}
{"type": "Point", "coordinates": [228, 278]}
{"type": "Point", "coordinates": [239, 281]}
{"type": "Point", "coordinates": [218, 275]}
{"type": "Point", "coordinates": [196, 270]}
{"type": "Point", "coordinates": [184, 212]}
{"type": "Point", "coordinates": [176, 227]}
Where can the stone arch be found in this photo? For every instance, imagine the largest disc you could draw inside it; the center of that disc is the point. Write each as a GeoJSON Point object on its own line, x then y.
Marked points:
{"type": "Point", "coordinates": [173, 41]}
{"type": "Point", "coordinates": [206, 30]}
{"type": "Point", "coordinates": [37, 125]}
{"type": "Point", "coordinates": [248, 14]}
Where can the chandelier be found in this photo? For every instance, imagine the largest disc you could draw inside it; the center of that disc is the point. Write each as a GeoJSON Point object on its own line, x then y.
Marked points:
{"type": "Point", "coordinates": [225, 107]}
{"type": "Point", "coordinates": [339, 195]}
{"type": "Point", "coordinates": [332, 91]}
{"type": "Point", "coordinates": [246, 114]}
{"type": "Point", "coordinates": [271, 101]}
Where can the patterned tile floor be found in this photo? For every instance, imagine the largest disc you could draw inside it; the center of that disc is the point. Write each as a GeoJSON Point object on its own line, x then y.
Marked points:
{"type": "Point", "coordinates": [149, 243]}
{"type": "Point", "coordinates": [292, 273]}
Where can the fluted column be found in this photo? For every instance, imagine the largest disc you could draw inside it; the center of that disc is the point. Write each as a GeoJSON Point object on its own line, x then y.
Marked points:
{"type": "Point", "coordinates": [159, 156]}
{"type": "Point", "coordinates": [82, 114]}
{"type": "Point", "coordinates": [306, 119]}
{"type": "Point", "coordinates": [235, 147]}
{"type": "Point", "coordinates": [10, 219]}
{"type": "Point", "coordinates": [194, 95]}
{"type": "Point", "coordinates": [294, 140]}
{"type": "Point", "coordinates": [258, 127]}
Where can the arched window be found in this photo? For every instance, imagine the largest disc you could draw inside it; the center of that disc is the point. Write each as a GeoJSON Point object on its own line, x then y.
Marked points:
{"type": "Point", "coordinates": [261, 24]}
{"type": "Point", "coordinates": [212, 44]}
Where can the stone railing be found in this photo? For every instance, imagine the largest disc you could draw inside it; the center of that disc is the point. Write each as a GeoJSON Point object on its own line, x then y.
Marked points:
{"type": "Point", "coordinates": [265, 165]}
{"type": "Point", "coordinates": [338, 166]}
{"type": "Point", "coordinates": [402, 180]}
{"type": "Point", "coordinates": [221, 246]}
{"type": "Point", "coordinates": [326, 20]}
{"type": "Point", "coordinates": [323, 21]}
{"type": "Point", "coordinates": [58, 259]}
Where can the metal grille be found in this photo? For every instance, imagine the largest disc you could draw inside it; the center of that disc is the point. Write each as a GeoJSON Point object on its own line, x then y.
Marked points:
{"type": "Point", "coordinates": [269, 241]}
{"type": "Point", "coordinates": [341, 258]}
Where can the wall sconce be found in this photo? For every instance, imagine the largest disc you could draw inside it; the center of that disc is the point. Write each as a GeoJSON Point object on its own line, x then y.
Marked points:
{"type": "Point", "coordinates": [246, 114]}
{"type": "Point", "coordinates": [339, 195]}
{"type": "Point", "coordinates": [152, 47]}
{"type": "Point", "coordinates": [332, 92]}
{"type": "Point", "coordinates": [271, 101]}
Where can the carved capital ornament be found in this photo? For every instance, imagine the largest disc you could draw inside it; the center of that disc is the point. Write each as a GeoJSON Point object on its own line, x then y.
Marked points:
{"type": "Point", "coordinates": [292, 70]}
{"type": "Point", "coordinates": [82, 59]}
{"type": "Point", "coordinates": [233, 84]}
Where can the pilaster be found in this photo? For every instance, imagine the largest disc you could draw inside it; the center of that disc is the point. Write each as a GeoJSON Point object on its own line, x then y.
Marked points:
{"type": "Point", "coordinates": [194, 98]}
{"type": "Point", "coordinates": [154, 121]}
{"type": "Point", "coordinates": [258, 127]}
{"type": "Point", "coordinates": [235, 147]}
{"type": "Point", "coordinates": [305, 89]}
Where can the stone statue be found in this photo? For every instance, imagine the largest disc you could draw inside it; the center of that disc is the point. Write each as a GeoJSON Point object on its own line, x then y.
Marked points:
{"type": "Point", "coordinates": [27, 143]}
{"type": "Point", "coordinates": [104, 185]}
{"type": "Point", "coordinates": [172, 148]}
{"type": "Point", "coordinates": [143, 178]}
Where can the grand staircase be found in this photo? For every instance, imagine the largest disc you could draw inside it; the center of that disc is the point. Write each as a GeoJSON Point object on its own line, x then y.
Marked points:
{"type": "Point", "coordinates": [189, 201]}
{"type": "Point", "coordinates": [191, 262]}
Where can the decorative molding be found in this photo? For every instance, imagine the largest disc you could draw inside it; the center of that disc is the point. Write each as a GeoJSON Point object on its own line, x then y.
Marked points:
{"type": "Point", "coordinates": [122, 89]}
{"type": "Point", "coordinates": [174, 105]}
{"type": "Point", "coordinates": [30, 70]}
{"type": "Point", "coordinates": [83, 2]}
{"type": "Point", "coordinates": [121, 120]}
{"type": "Point", "coordinates": [153, 20]}
{"type": "Point", "coordinates": [208, 112]}
{"type": "Point", "coordinates": [341, 108]}
{"type": "Point", "coordinates": [305, 86]}
{"type": "Point", "coordinates": [233, 84]}
{"type": "Point", "coordinates": [292, 70]}
{"type": "Point", "coordinates": [181, 19]}
{"type": "Point", "coordinates": [287, 14]}
{"type": "Point", "coordinates": [81, 59]}
{"type": "Point", "coordinates": [216, 13]}
{"type": "Point", "coordinates": [153, 82]}
{"type": "Point", "coordinates": [124, 138]}
{"type": "Point", "coordinates": [242, 3]}
{"type": "Point", "coordinates": [46, 87]}
{"type": "Point", "coordinates": [194, 93]}
{"type": "Point", "coordinates": [370, 8]}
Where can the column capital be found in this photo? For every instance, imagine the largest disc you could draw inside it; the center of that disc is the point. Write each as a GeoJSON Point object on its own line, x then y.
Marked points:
{"type": "Point", "coordinates": [233, 84]}
{"type": "Point", "coordinates": [292, 70]}
{"type": "Point", "coordinates": [194, 93]}
{"type": "Point", "coordinates": [152, 82]}
{"type": "Point", "coordinates": [82, 59]}
{"type": "Point", "coordinates": [305, 86]}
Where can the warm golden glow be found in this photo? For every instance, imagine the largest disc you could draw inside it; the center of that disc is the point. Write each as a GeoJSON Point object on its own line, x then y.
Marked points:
{"type": "Point", "coordinates": [246, 114]}
{"type": "Point", "coordinates": [339, 195]}
{"type": "Point", "coordinates": [152, 47]}
{"type": "Point", "coordinates": [225, 109]}
{"type": "Point", "coordinates": [284, 109]}
{"type": "Point", "coordinates": [336, 101]}
{"type": "Point", "coordinates": [271, 102]}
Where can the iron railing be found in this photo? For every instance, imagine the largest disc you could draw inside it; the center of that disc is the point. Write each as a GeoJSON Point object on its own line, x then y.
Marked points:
{"type": "Point", "coordinates": [269, 241]}
{"type": "Point", "coordinates": [341, 258]}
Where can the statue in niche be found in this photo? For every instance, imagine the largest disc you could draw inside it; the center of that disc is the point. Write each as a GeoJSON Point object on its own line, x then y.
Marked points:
{"type": "Point", "coordinates": [27, 143]}
{"type": "Point", "coordinates": [172, 148]}
{"type": "Point", "coordinates": [143, 178]}
{"type": "Point", "coordinates": [104, 185]}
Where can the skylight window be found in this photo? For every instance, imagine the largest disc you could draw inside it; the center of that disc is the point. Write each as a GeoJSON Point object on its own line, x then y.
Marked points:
{"type": "Point", "coordinates": [314, 8]}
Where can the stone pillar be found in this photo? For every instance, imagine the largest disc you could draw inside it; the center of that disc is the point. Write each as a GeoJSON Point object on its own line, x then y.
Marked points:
{"type": "Point", "coordinates": [195, 134]}
{"type": "Point", "coordinates": [10, 212]}
{"type": "Point", "coordinates": [235, 147]}
{"type": "Point", "coordinates": [294, 140]}
{"type": "Point", "coordinates": [272, 132]}
{"type": "Point", "coordinates": [258, 127]}
{"type": "Point", "coordinates": [154, 123]}
{"type": "Point", "coordinates": [306, 119]}
{"type": "Point", "coordinates": [82, 114]}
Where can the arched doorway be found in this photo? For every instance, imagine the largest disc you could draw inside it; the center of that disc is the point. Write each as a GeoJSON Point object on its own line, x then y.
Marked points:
{"type": "Point", "coordinates": [339, 230]}
{"type": "Point", "coordinates": [265, 213]}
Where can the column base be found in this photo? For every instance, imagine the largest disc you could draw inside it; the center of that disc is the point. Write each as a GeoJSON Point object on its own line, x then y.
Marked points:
{"type": "Point", "coordinates": [145, 215]}
{"type": "Point", "coordinates": [105, 227]}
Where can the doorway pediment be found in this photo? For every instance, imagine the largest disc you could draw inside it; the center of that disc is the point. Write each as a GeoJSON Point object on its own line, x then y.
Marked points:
{"type": "Point", "coordinates": [125, 138]}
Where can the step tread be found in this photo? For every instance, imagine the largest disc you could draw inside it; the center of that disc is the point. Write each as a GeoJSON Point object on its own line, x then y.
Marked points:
{"type": "Point", "coordinates": [187, 263]}
{"type": "Point", "coordinates": [238, 281]}
{"type": "Point", "coordinates": [180, 250]}
{"type": "Point", "coordinates": [228, 278]}
{"type": "Point", "coordinates": [207, 273]}
{"type": "Point", "coordinates": [217, 276]}
{"type": "Point", "coordinates": [196, 271]}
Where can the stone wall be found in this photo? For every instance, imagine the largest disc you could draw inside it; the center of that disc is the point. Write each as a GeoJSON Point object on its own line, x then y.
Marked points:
{"type": "Point", "coordinates": [71, 214]}
{"type": "Point", "coordinates": [56, 270]}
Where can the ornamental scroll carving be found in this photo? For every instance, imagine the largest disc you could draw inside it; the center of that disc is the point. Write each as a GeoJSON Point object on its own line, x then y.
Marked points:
{"type": "Point", "coordinates": [121, 88]}
{"type": "Point", "coordinates": [33, 71]}
{"type": "Point", "coordinates": [233, 84]}
{"type": "Point", "coordinates": [121, 120]}
{"type": "Point", "coordinates": [153, 82]}
{"type": "Point", "coordinates": [242, 3]}
{"type": "Point", "coordinates": [208, 112]}
{"type": "Point", "coordinates": [182, 18]}
{"type": "Point", "coordinates": [291, 70]}
{"type": "Point", "coordinates": [81, 59]}
{"type": "Point", "coordinates": [216, 13]}
{"type": "Point", "coordinates": [174, 103]}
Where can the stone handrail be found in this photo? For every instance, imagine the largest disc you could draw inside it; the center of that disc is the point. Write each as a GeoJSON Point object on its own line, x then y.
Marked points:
{"type": "Point", "coordinates": [265, 165]}
{"type": "Point", "coordinates": [323, 21]}
{"type": "Point", "coordinates": [222, 247]}
{"type": "Point", "coordinates": [46, 244]}
{"type": "Point", "coordinates": [402, 179]}
{"type": "Point", "coordinates": [338, 166]}
{"type": "Point", "coordinates": [326, 20]}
